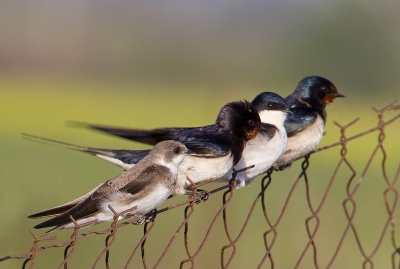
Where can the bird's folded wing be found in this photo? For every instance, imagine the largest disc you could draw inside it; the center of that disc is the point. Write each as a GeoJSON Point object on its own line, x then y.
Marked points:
{"type": "Point", "coordinates": [267, 130]}
{"type": "Point", "coordinates": [300, 119]}
{"type": "Point", "coordinates": [125, 182]}
{"type": "Point", "coordinates": [207, 149]}
{"type": "Point", "coordinates": [62, 208]}
{"type": "Point", "coordinates": [85, 209]}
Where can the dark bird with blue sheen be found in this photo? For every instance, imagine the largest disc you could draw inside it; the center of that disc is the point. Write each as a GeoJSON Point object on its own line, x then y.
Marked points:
{"type": "Point", "coordinates": [305, 126]}
{"type": "Point", "coordinates": [270, 143]}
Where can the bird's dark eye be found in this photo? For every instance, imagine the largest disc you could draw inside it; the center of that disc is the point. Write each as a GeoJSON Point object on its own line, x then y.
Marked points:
{"type": "Point", "coordinates": [176, 150]}
{"type": "Point", "coordinates": [324, 88]}
{"type": "Point", "coordinates": [270, 105]}
{"type": "Point", "coordinates": [251, 122]}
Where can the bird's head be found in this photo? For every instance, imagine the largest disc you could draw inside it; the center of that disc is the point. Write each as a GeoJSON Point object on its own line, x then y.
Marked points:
{"type": "Point", "coordinates": [271, 107]}
{"type": "Point", "coordinates": [241, 118]}
{"type": "Point", "coordinates": [316, 89]}
{"type": "Point", "coordinates": [169, 153]}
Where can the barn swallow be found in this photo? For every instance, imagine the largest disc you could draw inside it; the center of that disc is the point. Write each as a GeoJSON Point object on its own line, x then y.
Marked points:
{"type": "Point", "coordinates": [305, 126]}
{"type": "Point", "coordinates": [215, 148]}
{"type": "Point", "coordinates": [143, 187]}
{"type": "Point", "coordinates": [269, 145]}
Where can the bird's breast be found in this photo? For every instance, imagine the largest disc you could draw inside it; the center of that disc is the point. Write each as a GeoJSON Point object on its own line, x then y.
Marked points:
{"type": "Point", "coordinates": [303, 142]}
{"type": "Point", "coordinates": [262, 152]}
{"type": "Point", "coordinates": [200, 169]}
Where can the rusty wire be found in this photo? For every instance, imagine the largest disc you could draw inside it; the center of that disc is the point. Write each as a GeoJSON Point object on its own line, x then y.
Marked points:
{"type": "Point", "coordinates": [270, 236]}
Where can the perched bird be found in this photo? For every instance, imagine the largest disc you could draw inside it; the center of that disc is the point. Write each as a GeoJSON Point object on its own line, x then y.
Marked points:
{"type": "Point", "coordinates": [144, 186]}
{"type": "Point", "coordinates": [270, 143]}
{"type": "Point", "coordinates": [262, 151]}
{"type": "Point", "coordinates": [305, 126]}
{"type": "Point", "coordinates": [215, 148]}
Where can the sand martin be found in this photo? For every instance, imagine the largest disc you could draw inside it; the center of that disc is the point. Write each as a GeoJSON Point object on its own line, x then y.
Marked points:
{"type": "Point", "coordinates": [305, 126]}
{"type": "Point", "coordinates": [146, 186]}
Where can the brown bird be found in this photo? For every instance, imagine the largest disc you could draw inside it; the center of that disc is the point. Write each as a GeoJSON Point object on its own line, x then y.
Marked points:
{"type": "Point", "coordinates": [144, 186]}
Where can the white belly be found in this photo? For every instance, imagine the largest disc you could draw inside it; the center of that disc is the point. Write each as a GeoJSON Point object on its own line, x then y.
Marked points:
{"type": "Point", "coordinates": [260, 152]}
{"type": "Point", "coordinates": [200, 169]}
{"type": "Point", "coordinates": [303, 142]}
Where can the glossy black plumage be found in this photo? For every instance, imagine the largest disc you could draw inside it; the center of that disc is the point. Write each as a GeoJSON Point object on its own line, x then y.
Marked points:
{"type": "Point", "coordinates": [308, 101]}
{"type": "Point", "coordinates": [305, 126]}
{"type": "Point", "coordinates": [237, 123]}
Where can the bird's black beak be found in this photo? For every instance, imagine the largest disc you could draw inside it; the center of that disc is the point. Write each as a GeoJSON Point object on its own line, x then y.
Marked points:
{"type": "Point", "coordinates": [339, 95]}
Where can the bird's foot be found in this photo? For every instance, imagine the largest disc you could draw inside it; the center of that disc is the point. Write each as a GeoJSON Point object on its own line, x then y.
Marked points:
{"type": "Point", "coordinates": [149, 217]}
{"type": "Point", "coordinates": [281, 167]}
{"type": "Point", "coordinates": [201, 196]}
{"type": "Point", "coordinates": [141, 219]}
{"type": "Point", "coordinates": [240, 183]}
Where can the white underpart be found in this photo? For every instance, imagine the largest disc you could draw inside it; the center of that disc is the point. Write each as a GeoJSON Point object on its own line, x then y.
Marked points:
{"type": "Point", "coordinates": [116, 162]}
{"type": "Point", "coordinates": [262, 152]}
{"type": "Point", "coordinates": [200, 169]}
{"type": "Point", "coordinates": [144, 205]}
{"type": "Point", "coordinates": [173, 166]}
{"type": "Point", "coordinates": [303, 142]}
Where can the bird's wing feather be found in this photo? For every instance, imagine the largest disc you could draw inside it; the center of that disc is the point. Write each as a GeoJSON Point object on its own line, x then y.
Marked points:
{"type": "Point", "coordinates": [125, 183]}
{"type": "Point", "coordinates": [85, 209]}
{"type": "Point", "coordinates": [299, 120]}
{"type": "Point", "coordinates": [153, 172]}
{"type": "Point", "coordinates": [267, 130]}
{"type": "Point", "coordinates": [150, 137]}
{"type": "Point", "coordinates": [53, 211]}
{"type": "Point", "coordinates": [125, 156]}
{"type": "Point", "coordinates": [204, 139]}
{"type": "Point", "coordinates": [62, 208]}
{"type": "Point", "coordinates": [207, 149]}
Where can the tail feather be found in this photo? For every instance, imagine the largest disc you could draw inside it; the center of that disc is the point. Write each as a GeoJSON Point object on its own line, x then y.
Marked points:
{"type": "Point", "coordinates": [150, 137]}
{"type": "Point", "coordinates": [56, 211]}
{"type": "Point", "coordinates": [125, 159]}
{"type": "Point", "coordinates": [49, 141]}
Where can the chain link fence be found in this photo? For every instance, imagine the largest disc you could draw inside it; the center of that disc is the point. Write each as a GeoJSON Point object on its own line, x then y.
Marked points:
{"type": "Point", "coordinates": [346, 223]}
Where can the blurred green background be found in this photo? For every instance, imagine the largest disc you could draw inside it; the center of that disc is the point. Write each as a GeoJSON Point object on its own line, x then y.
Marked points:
{"type": "Point", "coordinates": [149, 64]}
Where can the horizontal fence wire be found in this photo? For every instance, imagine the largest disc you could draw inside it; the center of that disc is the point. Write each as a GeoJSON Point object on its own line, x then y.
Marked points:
{"type": "Point", "coordinates": [270, 237]}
